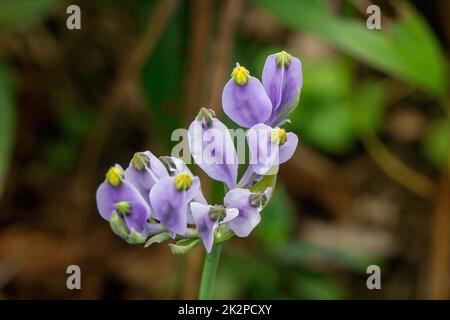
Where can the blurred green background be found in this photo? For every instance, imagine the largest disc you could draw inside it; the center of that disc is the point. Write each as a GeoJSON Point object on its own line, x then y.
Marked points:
{"type": "Point", "coordinates": [369, 183]}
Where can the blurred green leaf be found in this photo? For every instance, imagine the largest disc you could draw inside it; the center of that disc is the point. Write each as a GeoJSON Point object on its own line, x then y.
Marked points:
{"type": "Point", "coordinates": [437, 143]}
{"type": "Point", "coordinates": [308, 285]}
{"type": "Point", "coordinates": [307, 254]}
{"type": "Point", "coordinates": [7, 120]}
{"type": "Point", "coordinates": [184, 246]}
{"type": "Point", "coordinates": [368, 105]}
{"type": "Point", "coordinates": [16, 14]}
{"type": "Point", "coordinates": [323, 117]}
{"type": "Point", "coordinates": [406, 48]}
{"type": "Point", "coordinates": [257, 280]}
{"type": "Point", "coordinates": [158, 238]}
{"type": "Point", "coordinates": [333, 106]}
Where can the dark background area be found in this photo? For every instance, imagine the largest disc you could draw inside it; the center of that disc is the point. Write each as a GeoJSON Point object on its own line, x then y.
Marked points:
{"type": "Point", "coordinates": [368, 184]}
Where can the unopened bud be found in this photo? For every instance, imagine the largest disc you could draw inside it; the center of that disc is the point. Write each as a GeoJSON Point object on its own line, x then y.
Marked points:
{"type": "Point", "coordinates": [206, 116]}
{"type": "Point", "coordinates": [283, 59]}
{"type": "Point", "coordinates": [217, 213]}
{"type": "Point", "coordinates": [183, 181]}
{"type": "Point", "coordinates": [258, 200]}
{"type": "Point", "coordinates": [140, 161]}
{"type": "Point", "coordinates": [114, 176]}
{"type": "Point", "coordinates": [240, 75]}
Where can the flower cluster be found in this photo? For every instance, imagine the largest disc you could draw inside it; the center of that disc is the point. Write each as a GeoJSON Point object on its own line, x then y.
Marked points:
{"type": "Point", "coordinates": [158, 199]}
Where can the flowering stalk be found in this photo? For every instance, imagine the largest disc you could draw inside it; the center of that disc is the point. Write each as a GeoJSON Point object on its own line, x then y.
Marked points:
{"type": "Point", "coordinates": [159, 199]}
{"type": "Point", "coordinates": [209, 272]}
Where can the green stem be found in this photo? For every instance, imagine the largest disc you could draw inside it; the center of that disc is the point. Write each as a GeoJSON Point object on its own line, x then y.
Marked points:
{"type": "Point", "coordinates": [209, 272]}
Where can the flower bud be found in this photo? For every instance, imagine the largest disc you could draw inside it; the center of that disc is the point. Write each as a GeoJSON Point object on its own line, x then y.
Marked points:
{"type": "Point", "coordinates": [183, 181]}
{"type": "Point", "coordinates": [258, 199]}
{"type": "Point", "coordinates": [217, 213]}
{"type": "Point", "coordinates": [240, 75]}
{"type": "Point", "coordinates": [205, 116]}
{"type": "Point", "coordinates": [114, 176]}
{"type": "Point", "coordinates": [140, 161]}
{"type": "Point", "coordinates": [283, 59]}
{"type": "Point", "coordinates": [282, 80]}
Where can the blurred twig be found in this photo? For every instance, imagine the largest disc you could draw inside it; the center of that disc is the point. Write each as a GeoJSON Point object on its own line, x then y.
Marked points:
{"type": "Point", "coordinates": [319, 179]}
{"type": "Point", "coordinates": [440, 242]}
{"type": "Point", "coordinates": [222, 51]}
{"type": "Point", "coordinates": [127, 78]}
{"type": "Point", "coordinates": [200, 30]}
{"type": "Point", "coordinates": [395, 168]}
{"type": "Point", "coordinates": [200, 22]}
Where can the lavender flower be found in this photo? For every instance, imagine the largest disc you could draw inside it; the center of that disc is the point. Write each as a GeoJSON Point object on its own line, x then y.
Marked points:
{"type": "Point", "coordinates": [282, 79]}
{"type": "Point", "coordinates": [119, 199]}
{"type": "Point", "coordinates": [244, 99]}
{"type": "Point", "coordinates": [176, 166]}
{"type": "Point", "coordinates": [269, 147]}
{"type": "Point", "coordinates": [247, 102]}
{"type": "Point", "coordinates": [169, 199]}
{"type": "Point", "coordinates": [207, 218]}
{"type": "Point", "coordinates": [157, 200]}
{"type": "Point", "coordinates": [144, 171]}
{"type": "Point", "coordinates": [212, 148]}
{"type": "Point", "coordinates": [249, 205]}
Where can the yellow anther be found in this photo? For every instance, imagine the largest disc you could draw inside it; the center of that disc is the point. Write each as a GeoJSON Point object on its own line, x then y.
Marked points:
{"type": "Point", "coordinates": [240, 75]}
{"type": "Point", "coordinates": [278, 136]}
{"type": "Point", "coordinates": [183, 181]}
{"type": "Point", "coordinates": [114, 176]}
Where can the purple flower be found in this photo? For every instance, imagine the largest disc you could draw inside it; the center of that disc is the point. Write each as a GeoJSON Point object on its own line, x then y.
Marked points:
{"type": "Point", "coordinates": [208, 218]}
{"type": "Point", "coordinates": [269, 147]}
{"type": "Point", "coordinates": [244, 99]}
{"type": "Point", "coordinates": [143, 172]}
{"type": "Point", "coordinates": [121, 197]}
{"type": "Point", "coordinates": [212, 148]}
{"type": "Point", "coordinates": [169, 199]}
{"type": "Point", "coordinates": [249, 205]}
{"type": "Point", "coordinates": [176, 166]}
{"type": "Point", "coordinates": [282, 79]}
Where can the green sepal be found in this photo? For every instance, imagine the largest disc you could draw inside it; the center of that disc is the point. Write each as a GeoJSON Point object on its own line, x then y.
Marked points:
{"type": "Point", "coordinates": [135, 238]}
{"type": "Point", "coordinates": [158, 238]}
{"type": "Point", "coordinates": [118, 225]}
{"type": "Point", "coordinates": [184, 246]}
{"type": "Point", "coordinates": [287, 111]}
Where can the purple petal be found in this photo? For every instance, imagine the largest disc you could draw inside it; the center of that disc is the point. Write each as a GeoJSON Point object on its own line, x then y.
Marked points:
{"type": "Point", "coordinates": [170, 206]}
{"type": "Point", "coordinates": [288, 148]}
{"type": "Point", "coordinates": [213, 150]}
{"type": "Point", "coordinates": [246, 104]}
{"type": "Point", "coordinates": [180, 167]}
{"type": "Point", "coordinates": [137, 218]}
{"type": "Point", "coordinates": [205, 225]}
{"type": "Point", "coordinates": [230, 215]}
{"type": "Point", "coordinates": [263, 153]}
{"type": "Point", "coordinates": [248, 217]}
{"type": "Point", "coordinates": [282, 84]}
{"type": "Point", "coordinates": [143, 180]}
{"type": "Point", "coordinates": [107, 196]}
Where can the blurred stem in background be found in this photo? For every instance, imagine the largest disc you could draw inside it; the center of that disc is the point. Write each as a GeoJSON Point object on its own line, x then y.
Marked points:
{"type": "Point", "coordinates": [209, 272]}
